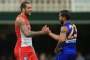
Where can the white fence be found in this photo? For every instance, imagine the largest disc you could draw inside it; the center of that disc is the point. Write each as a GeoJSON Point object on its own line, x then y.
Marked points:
{"type": "Point", "coordinates": [80, 5]}
{"type": "Point", "coordinates": [47, 5]}
{"type": "Point", "coordinates": [37, 5]}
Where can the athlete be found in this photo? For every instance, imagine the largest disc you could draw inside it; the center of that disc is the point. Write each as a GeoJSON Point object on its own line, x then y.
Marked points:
{"type": "Point", "coordinates": [66, 46]}
{"type": "Point", "coordinates": [24, 49]}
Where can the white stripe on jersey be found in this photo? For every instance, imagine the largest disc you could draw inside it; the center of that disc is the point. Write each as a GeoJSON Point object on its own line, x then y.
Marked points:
{"type": "Point", "coordinates": [25, 41]}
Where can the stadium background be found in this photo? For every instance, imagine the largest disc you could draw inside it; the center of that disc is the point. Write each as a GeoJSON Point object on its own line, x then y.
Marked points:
{"type": "Point", "coordinates": [44, 12]}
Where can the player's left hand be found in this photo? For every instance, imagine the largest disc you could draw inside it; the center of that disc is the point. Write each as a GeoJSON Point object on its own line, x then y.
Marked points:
{"type": "Point", "coordinates": [57, 51]}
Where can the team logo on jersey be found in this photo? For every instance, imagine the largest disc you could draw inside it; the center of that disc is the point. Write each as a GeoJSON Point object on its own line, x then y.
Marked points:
{"type": "Point", "coordinates": [25, 58]}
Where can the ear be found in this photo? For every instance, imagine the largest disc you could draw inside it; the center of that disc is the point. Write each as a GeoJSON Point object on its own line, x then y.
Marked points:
{"type": "Point", "coordinates": [64, 17]}
{"type": "Point", "coordinates": [23, 9]}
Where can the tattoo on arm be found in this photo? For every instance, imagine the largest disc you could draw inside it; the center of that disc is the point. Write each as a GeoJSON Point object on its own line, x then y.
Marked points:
{"type": "Point", "coordinates": [30, 33]}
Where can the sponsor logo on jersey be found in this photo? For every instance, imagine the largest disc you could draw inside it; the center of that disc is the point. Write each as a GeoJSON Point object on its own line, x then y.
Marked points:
{"type": "Point", "coordinates": [25, 58]}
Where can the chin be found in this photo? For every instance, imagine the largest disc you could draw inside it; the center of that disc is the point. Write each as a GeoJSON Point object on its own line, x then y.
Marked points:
{"type": "Point", "coordinates": [29, 14]}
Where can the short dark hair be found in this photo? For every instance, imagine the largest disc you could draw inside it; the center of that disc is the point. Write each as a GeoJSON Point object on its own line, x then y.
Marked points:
{"type": "Point", "coordinates": [65, 13]}
{"type": "Point", "coordinates": [23, 5]}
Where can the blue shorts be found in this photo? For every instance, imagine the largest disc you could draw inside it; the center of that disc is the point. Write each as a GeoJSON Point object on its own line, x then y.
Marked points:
{"type": "Point", "coordinates": [66, 55]}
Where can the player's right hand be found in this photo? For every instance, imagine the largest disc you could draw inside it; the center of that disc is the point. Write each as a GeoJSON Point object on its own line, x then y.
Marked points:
{"type": "Point", "coordinates": [46, 30]}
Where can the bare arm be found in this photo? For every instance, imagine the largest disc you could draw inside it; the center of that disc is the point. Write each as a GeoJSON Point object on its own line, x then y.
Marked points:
{"type": "Point", "coordinates": [54, 36]}
{"type": "Point", "coordinates": [21, 23]}
{"type": "Point", "coordinates": [61, 36]}
{"type": "Point", "coordinates": [62, 39]}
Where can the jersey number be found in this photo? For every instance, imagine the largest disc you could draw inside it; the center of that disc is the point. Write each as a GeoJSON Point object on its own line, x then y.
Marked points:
{"type": "Point", "coordinates": [72, 31]}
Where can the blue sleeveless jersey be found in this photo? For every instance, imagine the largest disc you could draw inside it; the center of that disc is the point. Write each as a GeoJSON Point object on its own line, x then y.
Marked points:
{"type": "Point", "coordinates": [68, 51]}
{"type": "Point", "coordinates": [70, 43]}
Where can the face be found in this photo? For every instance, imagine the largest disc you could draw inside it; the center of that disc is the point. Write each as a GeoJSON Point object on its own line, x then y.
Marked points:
{"type": "Point", "coordinates": [61, 19]}
{"type": "Point", "coordinates": [28, 10]}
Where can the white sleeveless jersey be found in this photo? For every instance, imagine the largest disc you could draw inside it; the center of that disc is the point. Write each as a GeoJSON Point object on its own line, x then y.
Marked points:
{"type": "Point", "coordinates": [23, 41]}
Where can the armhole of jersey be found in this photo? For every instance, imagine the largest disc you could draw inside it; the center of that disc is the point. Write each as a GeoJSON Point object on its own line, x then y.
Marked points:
{"type": "Point", "coordinates": [15, 23]}
{"type": "Point", "coordinates": [67, 32]}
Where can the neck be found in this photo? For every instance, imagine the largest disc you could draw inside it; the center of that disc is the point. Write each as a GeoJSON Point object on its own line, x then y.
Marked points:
{"type": "Point", "coordinates": [23, 14]}
{"type": "Point", "coordinates": [66, 21]}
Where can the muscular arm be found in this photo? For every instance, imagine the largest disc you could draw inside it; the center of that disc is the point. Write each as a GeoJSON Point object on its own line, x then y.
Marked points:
{"type": "Point", "coordinates": [61, 36]}
{"type": "Point", "coordinates": [54, 36]}
{"type": "Point", "coordinates": [21, 23]}
{"type": "Point", "coordinates": [62, 39]}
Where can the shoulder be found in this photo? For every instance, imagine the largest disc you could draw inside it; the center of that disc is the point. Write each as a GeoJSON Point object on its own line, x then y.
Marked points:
{"type": "Point", "coordinates": [64, 28]}
{"type": "Point", "coordinates": [19, 21]}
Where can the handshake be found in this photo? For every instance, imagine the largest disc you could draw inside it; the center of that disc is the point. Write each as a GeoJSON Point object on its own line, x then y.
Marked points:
{"type": "Point", "coordinates": [45, 30]}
